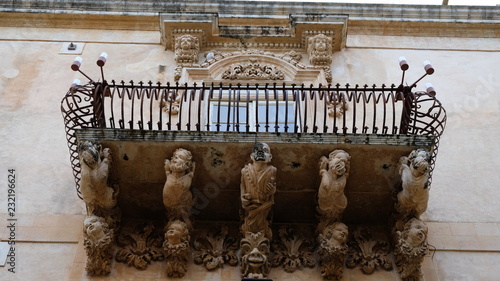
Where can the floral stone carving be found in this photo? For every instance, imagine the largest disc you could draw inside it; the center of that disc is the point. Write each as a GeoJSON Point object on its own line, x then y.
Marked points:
{"type": "Point", "coordinates": [253, 70]}
{"type": "Point", "coordinates": [367, 253]}
{"type": "Point", "coordinates": [140, 247]}
{"type": "Point", "coordinates": [95, 165]}
{"type": "Point", "coordinates": [320, 49]}
{"type": "Point", "coordinates": [254, 255]}
{"type": "Point", "coordinates": [176, 246]}
{"type": "Point", "coordinates": [216, 248]}
{"type": "Point", "coordinates": [292, 250]}
{"type": "Point", "coordinates": [258, 185]}
{"type": "Point", "coordinates": [98, 243]}
{"type": "Point", "coordinates": [332, 201]}
{"type": "Point", "coordinates": [177, 197]}
{"type": "Point", "coordinates": [187, 48]}
{"type": "Point", "coordinates": [414, 171]}
{"type": "Point", "coordinates": [410, 249]}
{"type": "Point", "coordinates": [332, 250]}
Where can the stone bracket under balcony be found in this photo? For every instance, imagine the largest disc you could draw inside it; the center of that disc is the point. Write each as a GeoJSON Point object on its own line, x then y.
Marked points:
{"type": "Point", "coordinates": [139, 156]}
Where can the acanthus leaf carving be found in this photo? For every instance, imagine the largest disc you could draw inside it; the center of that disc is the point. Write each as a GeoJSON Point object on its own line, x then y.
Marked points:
{"type": "Point", "coordinates": [292, 250]}
{"type": "Point", "coordinates": [216, 248]}
{"type": "Point", "coordinates": [367, 253]}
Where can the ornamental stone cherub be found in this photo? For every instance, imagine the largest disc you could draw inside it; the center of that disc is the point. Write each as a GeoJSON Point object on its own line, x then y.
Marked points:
{"type": "Point", "coordinates": [95, 165]}
{"type": "Point", "coordinates": [410, 249]}
{"type": "Point", "coordinates": [414, 171]}
{"type": "Point", "coordinates": [177, 197]}
{"type": "Point", "coordinates": [332, 201]}
{"type": "Point", "coordinates": [98, 243]}
{"type": "Point", "coordinates": [332, 250]}
{"type": "Point", "coordinates": [258, 185]}
{"type": "Point", "coordinates": [176, 248]}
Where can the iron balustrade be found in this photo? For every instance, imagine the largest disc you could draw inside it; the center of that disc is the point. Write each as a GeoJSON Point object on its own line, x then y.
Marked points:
{"type": "Point", "coordinates": [318, 110]}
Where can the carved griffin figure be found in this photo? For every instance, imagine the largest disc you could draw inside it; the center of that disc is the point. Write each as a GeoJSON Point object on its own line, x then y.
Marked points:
{"type": "Point", "coordinates": [410, 248]}
{"type": "Point", "coordinates": [177, 197]}
{"type": "Point", "coordinates": [187, 48]}
{"type": "Point", "coordinates": [95, 165]}
{"type": "Point", "coordinates": [332, 201]}
{"type": "Point", "coordinates": [255, 249]}
{"type": "Point", "coordinates": [414, 171]}
{"type": "Point", "coordinates": [98, 243]}
{"type": "Point", "coordinates": [320, 48]}
{"type": "Point", "coordinates": [332, 250]}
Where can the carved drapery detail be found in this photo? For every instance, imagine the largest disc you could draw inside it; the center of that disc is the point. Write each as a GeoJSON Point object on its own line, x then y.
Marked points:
{"type": "Point", "coordinates": [139, 247]}
{"type": "Point", "coordinates": [332, 250]}
{"type": "Point", "coordinates": [319, 49]}
{"type": "Point", "coordinates": [253, 70]}
{"type": "Point", "coordinates": [367, 253]}
{"type": "Point", "coordinates": [216, 248]}
{"type": "Point", "coordinates": [187, 48]}
{"type": "Point", "coordinates": [292, 250]}
{"type": "Point", "coordinates": [255, 250]}
{"type": "Point", "coordinates": [98, 244]}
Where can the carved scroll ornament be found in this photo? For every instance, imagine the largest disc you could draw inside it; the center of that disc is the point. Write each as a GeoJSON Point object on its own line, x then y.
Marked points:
{"type": "Point", "coordinates": [253, 71]}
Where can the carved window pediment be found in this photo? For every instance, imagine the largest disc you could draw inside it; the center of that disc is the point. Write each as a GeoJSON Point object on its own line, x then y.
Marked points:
{"type": "Point", "coordinates": [253, 70]}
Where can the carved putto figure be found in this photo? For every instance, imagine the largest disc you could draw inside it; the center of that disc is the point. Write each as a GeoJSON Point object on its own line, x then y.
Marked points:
{"type": "Point", "coordinates": [334, 172]}
{"type": "Point", "coordinates": [177, 197]}
{"type": "Point", "coordinates": [320, 48]}
{"type": "Point", "coordinates": [414, 171]}
{"type": "Point", "coordinates": [98, 243]}
{"type": "Point", "coordinates": [410, 248]}
{"type": "Point", "coordinates": [176, 248]}
{"type": "Point", "coordinates": [95, 167]}
{"type": "Point", "coordinates": [254, 255]}
{"type": "Point", "coordinates": [258, 185]}
{"type": "Point", "coordinates": [332, 250]}
{"type": "Point", "coordinates": [187, 48]}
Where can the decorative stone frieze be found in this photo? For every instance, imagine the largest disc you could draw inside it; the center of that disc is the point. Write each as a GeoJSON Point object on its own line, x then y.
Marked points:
{"type": "Point", "coordinates": [332, 250]}
{"type": "Point", "coordinates": [253, 70]}
{"type": "Point", "coordinates": [367, 253]}
{"type": "Point", "coordinates": [187, 48]}
{"type": "Point", "coordinates": [258, 185]}
{"type": "Point", "coordinates": [255, 250]}
{"type": "Point", "coordinates": [98, 243]}
{"type": "Point", "coordinates": [414, 171]}
{"type": "Point", "coordinates": [293, 250]}
{"type": "Point", "coordinates": [319, 49]}
{"type": "Point", "coordinates": [139, 247]}
{"type": "Point", "coordinates": [177, 248]}
{"type": "Point", "coordinates": [410, 248]}
{"type": "Point", "coordinates": [216, 248]}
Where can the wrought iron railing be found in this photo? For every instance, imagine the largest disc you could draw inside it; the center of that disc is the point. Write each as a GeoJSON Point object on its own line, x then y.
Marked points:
{"type": "Point", "coordinates": [251, 108]}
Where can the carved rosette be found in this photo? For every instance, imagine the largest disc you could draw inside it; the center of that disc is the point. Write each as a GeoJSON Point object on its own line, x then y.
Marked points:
{"type": "Point", "coordinates": [367, 253]}
{"type": "Point", "coordinates": [332, 250]}
{"type": "Point", "coordinates": [255, 250]}
{"type": "Point", "coordinates": [187, 48]}
{"type": "Point", "coordinates": [410, 248]}
{"type": "Point", "coordinates": [320, 49]}
{"type": "Point", "coordinates": [216, 248]}
{"type": "Point", "coordinates": [140, 247]}
{"type": "Point", "coordinates": [98, 244]}
{"type": "Point", "coordinates": [253, 71]}
{"type": "Point", "coordinates": [292, 250]}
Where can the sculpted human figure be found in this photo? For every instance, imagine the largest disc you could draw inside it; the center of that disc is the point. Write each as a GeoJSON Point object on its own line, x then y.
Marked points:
{"type": "Point", "coordinates": [320, 49]}
{"type": "Point", "coordinates": [332, 250]}
{"type": "Point", "coordinates": [98, 243]}
{"type": "Point", "coordinates": [176, 248]}
{"type": "Point", "coordinates": [95, 165]}
{"type": "Point", "coordinates": [410, 248]}
{"type": "Point", "coordinates": [258, 185]}
{"type": "Point", "coordinates": [255, 250]}
{"type": "Point", "coordinates": [334, 172]}
{"type": "Point", "coordinates": [187, 48]}
{"type": "Point", "coordinates": [414, 171]}
{"type": "Point", "coordinates": [177, 197]}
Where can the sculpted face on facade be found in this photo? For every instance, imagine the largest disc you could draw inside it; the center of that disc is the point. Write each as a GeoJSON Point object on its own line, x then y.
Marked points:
{"type": "Point", "coordinates": [414, 171]}
{"type": "Point", "coordinates": [98, 243]}
{"type": "Point", "coordinates": [257, 188]}
{"type": "Point", "coordinates": [255, 250]}
{"type": "Point", "coordinates": [320, 49]}
{"type": "Point", "coordinates": [177, 248]}
{"type": "Point", "coordinates": [187, 48]}
{"type": "Point", "coordinates": [410, 249]}
{"type": "Point", "coordinates": [332, 250]}
{"type": "Point", "coordinates": [253, 71]}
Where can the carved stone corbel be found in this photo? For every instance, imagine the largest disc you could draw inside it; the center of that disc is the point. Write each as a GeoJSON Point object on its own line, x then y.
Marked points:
{"type": "Point", "coordinates": [176, 248]}
{"type": "Point", "coordinates": [320, 49]}
{"type": "Point", "coordinates": [292, 250]}
{"type": "Point", "coordinates": [187, 48]}
{"type": "Point", "coordinates": [410, 248]}
{"type": "Point", "coordinates": [332, 250]}
{"type": "Point", "coordinates": [255, 250]}
{"type": "Point", "coordinates": [216, 248]}
{"type": "Point", "coordinates": [367, 253]}
{"type": "Point", "coordinates": [98, 244]}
